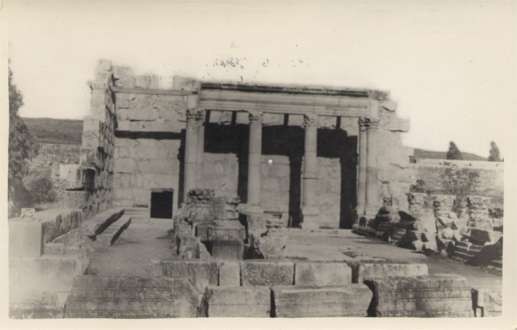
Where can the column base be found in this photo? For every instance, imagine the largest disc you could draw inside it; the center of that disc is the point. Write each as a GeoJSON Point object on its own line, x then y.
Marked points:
{"type": "Point", "coordinates": [310, 216]}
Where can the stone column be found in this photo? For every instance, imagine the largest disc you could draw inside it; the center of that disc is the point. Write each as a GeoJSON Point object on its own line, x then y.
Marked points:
{"type": "Point", "coordinates": [310, 210]}
{"type": "Point", "coordinates": [200, 147]}
{"type": "Point", "coordinates": [368, 197]}
{"type": "Point", "coordinates": [254, 162]}
{"type": "Point", "coordinates": [362, 152]}
{"type": "Point", "coordinates": [373, 196]}
{"type": "Point", "coordinates": [191, 148]}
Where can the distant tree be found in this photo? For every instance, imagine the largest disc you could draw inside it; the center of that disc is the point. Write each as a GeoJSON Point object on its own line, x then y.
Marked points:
{"type": "Point", "coordinates": [454, 152]}
{"type": "Point", "coordinates": [494, 155]}
{"type": "Point", "coordinates": [21, 148]}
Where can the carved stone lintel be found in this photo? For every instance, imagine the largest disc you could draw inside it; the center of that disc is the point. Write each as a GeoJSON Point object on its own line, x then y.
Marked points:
{"type": "Point", "coordinates": [255, 116]}
{"type": "Point", "coordinates": [310, 120]}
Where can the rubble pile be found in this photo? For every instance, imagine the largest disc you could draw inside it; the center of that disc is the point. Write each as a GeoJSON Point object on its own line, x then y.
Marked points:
{"type": "Point", "coordinates": [208, 226]}
{"type": "Point", "coordinates": [464, 229]}
{"type": "Point", "coordinates": [478, 212]}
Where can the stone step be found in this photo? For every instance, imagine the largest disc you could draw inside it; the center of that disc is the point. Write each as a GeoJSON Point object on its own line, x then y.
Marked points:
{"type": "Point", "coordinates": [107, 235]}
{"type": "Point", "coordinates": [291, 301]}
{"type": "Point", "coordinates": [430, 296]}
{"type": "Point", "coordinates": [368, 271]}
{"type": "Point", "coordinates": [131, 297]}
{"type": "Point", "coordinates": [238, 301]}
{"type": "Point", "coordinates": [133, 212]}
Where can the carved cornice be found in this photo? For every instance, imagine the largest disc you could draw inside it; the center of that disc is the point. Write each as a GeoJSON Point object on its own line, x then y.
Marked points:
{"type": "Point", "coordinates": [152, 91]}
{"type": "Point", "coordinates": [310, 120]}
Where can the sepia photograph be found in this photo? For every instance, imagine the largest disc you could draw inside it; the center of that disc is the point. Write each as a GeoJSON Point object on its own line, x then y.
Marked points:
{"type": "Point", "coordinates": [248, 159]}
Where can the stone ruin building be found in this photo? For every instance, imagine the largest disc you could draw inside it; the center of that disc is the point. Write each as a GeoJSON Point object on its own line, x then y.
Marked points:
{"type": "Point", "coordinates": [315, 156]}
{"type": "Point", "coordinates": [257, 180]}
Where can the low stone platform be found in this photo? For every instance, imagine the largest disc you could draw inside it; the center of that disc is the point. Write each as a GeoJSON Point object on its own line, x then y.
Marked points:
{"type": "Point", "coordinates": [351, 300]}
{"type": "Point", "coordinates": [131, 297]}
{"type": "Point", "coordinates": [322, 275]}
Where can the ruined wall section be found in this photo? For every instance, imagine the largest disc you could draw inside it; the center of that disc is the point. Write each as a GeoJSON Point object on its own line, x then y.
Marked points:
{"type": "Point", "coordinates": [96, 160]}
{"type": "Point", "coordinates": [148, 145]}
{"type": "Point", "coordinates": [392, 159]}
{"type": "Point", "coordinates": [460, 177]}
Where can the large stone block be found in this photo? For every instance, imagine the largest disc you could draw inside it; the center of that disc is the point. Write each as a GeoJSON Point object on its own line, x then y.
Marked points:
{"type": "Point", "coordinates": [267, 273]}
{"type": "Point", "coordinates": [383, 270]}
{"type": "Point", "coordinates": [25, 238]}
{"type": "Point", "coordinates": [229, 273]}
{"type": "Point", "coordinates": [200, 273]}
{"type": "Point", "coordinates": [238, 301]}
{"type": "Point", "coordinates": [227, 250]}
{"type": "Point", "coordinates": [291, 301]}
{"type": "Point", "coordinates": [430, 296]}
{"type": "Point", "coordinates": [132, 297]}
{"type": "Point", "coordinates": [321, 274]}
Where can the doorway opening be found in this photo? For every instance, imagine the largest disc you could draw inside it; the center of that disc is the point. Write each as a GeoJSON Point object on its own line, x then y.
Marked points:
{"type": "Point", "coordinates": [162, 203]}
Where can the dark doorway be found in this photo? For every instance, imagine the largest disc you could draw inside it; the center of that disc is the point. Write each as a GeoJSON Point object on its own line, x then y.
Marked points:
{"type": "Point", "coordinates": [161, 203]}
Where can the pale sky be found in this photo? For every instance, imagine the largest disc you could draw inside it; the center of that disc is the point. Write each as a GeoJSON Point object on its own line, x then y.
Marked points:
{"type": "Point", "coordinates": [450, 65]}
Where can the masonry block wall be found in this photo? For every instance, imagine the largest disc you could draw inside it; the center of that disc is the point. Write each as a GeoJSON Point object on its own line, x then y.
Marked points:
{"type": "Point", "coordinates": [148, 146]}
{"type": "Point", "coordinates": [98, 141]}
{"type": "Point", "coordinates": [392, 166]}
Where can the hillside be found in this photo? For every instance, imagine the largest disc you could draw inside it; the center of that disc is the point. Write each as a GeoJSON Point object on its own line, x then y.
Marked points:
{"type": "Point", "coordinates": [57, 131]}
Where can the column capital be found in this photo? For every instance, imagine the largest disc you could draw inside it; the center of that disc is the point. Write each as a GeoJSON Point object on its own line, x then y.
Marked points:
{"type": "Point", "coordinates": [310, 120]}
{"type": "Point", "coordinates": [255, 116]}
{"type": "Point", "coordinates": [366, 123]}
{"type": "Point", "coordinates": [195, 114]}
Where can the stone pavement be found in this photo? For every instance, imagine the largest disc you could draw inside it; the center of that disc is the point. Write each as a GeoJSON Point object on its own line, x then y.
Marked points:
{"type": "Point", "coordinates": [142, 243]}
{"type": "Point", "coordinates": [145, 241]}
{"type": "Point", "coordinates": [343, 245]}
{"type": "Point", "coordinates": [323, 267]}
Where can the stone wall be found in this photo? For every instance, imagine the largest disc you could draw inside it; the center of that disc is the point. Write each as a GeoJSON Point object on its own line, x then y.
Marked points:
{"type": "Point", "coordinates": [148, 146]}
{"type": "Point", "coordinates": [97, 147]}
{"type": "Point", "coordinates": [458, 177]}
{"type": "Point", "coordinates": [391, 162]}
{"type": "Point", "coordinates": [141, 165]}
{"type": "Point", "coordinates": [40, 278]}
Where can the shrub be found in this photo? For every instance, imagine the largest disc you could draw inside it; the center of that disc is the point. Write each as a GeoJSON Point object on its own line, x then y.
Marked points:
{"type": "Point", "coordinates": [40, 187]}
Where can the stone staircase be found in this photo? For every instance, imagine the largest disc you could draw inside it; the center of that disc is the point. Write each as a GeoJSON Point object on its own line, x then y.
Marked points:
{"type": "Point", "coordinates": [138, 213]}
